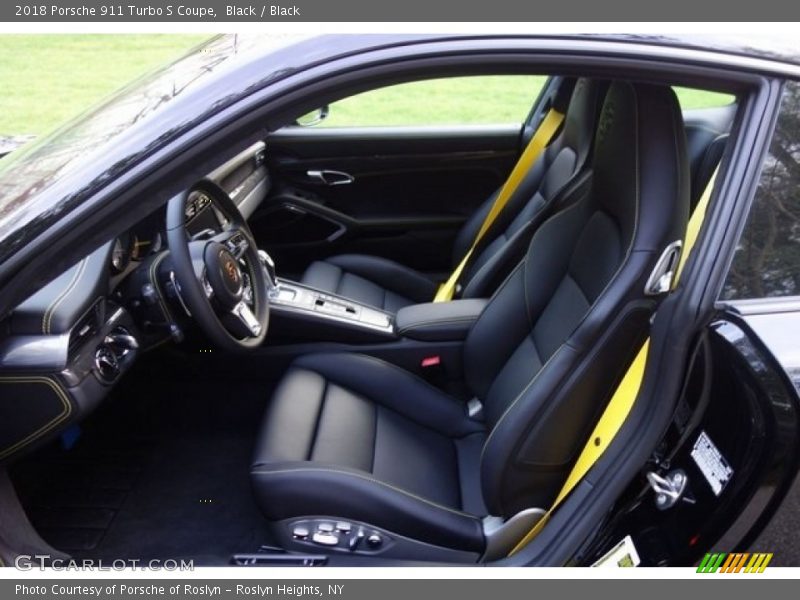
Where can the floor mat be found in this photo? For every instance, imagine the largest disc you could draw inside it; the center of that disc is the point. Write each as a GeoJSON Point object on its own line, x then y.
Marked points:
{"type": "Point", "coordinates": [154, 482]}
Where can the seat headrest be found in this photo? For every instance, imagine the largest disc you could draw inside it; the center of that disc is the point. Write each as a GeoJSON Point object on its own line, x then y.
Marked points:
{"type": "Point", "coordinates": [581, 117]}
{"type": "Point", "coordinates": [640, 165]}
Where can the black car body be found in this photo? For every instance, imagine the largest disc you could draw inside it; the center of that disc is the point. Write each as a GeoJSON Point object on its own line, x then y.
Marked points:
{"type": "Point", "coordinates": [75, 202]}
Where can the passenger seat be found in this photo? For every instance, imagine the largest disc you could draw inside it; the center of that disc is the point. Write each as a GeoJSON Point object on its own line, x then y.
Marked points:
{"type": "Point", "coordinates": [390, 286]}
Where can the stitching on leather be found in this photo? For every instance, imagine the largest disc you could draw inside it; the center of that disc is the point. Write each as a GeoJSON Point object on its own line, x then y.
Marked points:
{"type": "Point", "coordinates": [579, 288]}
{"type": "Point", "coordinates": [268, 471]}
{"type": "Point", "coordinates": [494, 297]}
{"type": "Point", "coordinates": [510, 406]}
{"type": "Point", "coordinates": [374, 436]}
{"type": "Point", "coordinates": [406, 416]}
{"type": "Point", "coordinates": [638, 198]}
{"type": "Point", "coordinates": [434, 322]}
{"type": "Point", "coordinates": [525, 260]}
{"type": "Point", "coordinates": [323, 400]}
{"type": "Point", "coordinates": [611, 280]}
{"type": "Point", "coordinates": [48, 315]}
{"type": "Point", "coordinates": [395, 367]}
{"type": "Point", "coordinates": [32, 437]}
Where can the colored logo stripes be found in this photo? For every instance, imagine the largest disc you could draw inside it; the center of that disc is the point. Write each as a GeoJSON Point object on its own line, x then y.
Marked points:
{"type": "Point", "coordinates": [738, 562]}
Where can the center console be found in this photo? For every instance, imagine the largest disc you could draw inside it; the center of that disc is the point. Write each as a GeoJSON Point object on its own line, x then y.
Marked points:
{"type": "Point", "coordinates": [300, 311]}
{"type": "Point", "coordinates": [308, 312]}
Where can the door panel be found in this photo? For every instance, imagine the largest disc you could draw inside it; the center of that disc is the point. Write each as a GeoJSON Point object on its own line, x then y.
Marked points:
{"type": "Point", "coordinates": [411, 190]}
{"type": "Point", "coordinates": [734, 440]}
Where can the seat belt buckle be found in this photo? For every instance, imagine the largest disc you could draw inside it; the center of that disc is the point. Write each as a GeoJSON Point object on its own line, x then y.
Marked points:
{"type": "Point", "coordinates": [475, 409]}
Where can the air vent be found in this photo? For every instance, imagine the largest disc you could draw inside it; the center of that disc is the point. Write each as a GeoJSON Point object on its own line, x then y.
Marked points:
{"type": "Point", "coordinates": [86, 328]}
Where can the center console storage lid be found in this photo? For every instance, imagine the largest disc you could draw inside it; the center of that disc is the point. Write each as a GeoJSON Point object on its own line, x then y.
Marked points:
{"type": "Point", "coordinates": [439, 321]}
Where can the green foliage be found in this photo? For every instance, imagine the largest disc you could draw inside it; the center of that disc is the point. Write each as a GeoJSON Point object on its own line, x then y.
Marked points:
{"type": "Point", "coordinates": [767, 260]}
{"type": "Point", "coordinates": [46, 79]}
{"type": "Point", "coordinates": [476, 100]}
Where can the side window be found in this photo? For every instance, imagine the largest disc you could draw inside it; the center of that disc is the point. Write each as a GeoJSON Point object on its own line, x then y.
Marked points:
{"type": "Point", "coordinates": [767, 260]}
{"type": "Point", "coordinates": [473, 100]}
{"type": "Point", "coordinates": [693, 98]}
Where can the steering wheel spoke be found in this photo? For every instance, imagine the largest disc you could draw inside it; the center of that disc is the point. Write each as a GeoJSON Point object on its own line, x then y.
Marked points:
{"type": "Point", "coordinates": [209, 291]}
{"type": "Point", "coordinates": [247, 318]}
{"type": "Point", "coordinates": [235, 240]}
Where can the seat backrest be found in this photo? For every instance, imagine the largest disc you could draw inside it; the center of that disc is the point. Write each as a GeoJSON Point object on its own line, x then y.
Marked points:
{"type": "Point", "coordinates": [706, 136]}
{"type": "Point", "coordinates": [506, 241]}
{"type": "Point", "coordinates": [556, 338]}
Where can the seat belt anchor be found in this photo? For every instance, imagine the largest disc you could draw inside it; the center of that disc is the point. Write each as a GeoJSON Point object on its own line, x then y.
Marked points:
{"type": "Point", "coordinates": [663, 275]}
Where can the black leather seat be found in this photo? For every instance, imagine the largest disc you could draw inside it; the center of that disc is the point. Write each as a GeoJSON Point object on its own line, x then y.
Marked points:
{"type": "Point", "coordinates": [390, 286]}
{"type": "Point", "coordinates": [348, 436]}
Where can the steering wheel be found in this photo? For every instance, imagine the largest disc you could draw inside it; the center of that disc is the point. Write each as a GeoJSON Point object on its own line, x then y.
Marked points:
{"type": "Point", "coordinates": [220, 277]}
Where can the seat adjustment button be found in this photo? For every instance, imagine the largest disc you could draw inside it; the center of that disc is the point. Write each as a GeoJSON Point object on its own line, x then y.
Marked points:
{"type": "Point", "coordinates": [325, 539]}
{"type": "Point", "coordinates": [343, 526]}
{"type": "Point", "coordinates": [374, 540]}
{"type": "Point", "coordinates": [355, 540]}
{"type": "Point", "coordinates": [327, 527]}
{"type": "Point", "coordinates": [300, 532]}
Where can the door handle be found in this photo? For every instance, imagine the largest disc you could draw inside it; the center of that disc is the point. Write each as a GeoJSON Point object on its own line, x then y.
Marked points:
{"type": "Point", "coordinates": [326, 177]}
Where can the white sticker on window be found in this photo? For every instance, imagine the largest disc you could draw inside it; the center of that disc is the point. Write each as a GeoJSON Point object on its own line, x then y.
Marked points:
{"type": "Point", "coordinates": [711, 463]}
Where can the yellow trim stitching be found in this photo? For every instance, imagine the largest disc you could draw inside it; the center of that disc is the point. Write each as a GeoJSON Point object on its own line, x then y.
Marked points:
{"type": "Point", "coordinates": [52, 384]}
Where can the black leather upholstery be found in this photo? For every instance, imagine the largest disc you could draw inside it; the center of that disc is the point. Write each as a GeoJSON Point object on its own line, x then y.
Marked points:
{"type": "Point", "coordinates": [580, 289]}
{"type": "Point", "coordinates": [706, 135]}
{"type": "Point", "coordinates": [347, 435]}
{"type": "Point", "coordinates": [439, 321]}
{"type": "Point", "coordinates": [370, 280]}
{"type": "Point", "coordinates": [390, 286]}
{"type": "Point", "coordinates": [59, 304]}
{"type": "Point", "coordinates": [353, 436]}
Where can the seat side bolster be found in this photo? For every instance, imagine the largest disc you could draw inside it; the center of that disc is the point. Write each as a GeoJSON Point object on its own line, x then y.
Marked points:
{"type": "Point", "coordinates": [318, 489]}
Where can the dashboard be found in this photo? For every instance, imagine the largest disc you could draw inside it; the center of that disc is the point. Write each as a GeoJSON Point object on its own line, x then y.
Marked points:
{"type": "Point", "coordinates": [63, 349]}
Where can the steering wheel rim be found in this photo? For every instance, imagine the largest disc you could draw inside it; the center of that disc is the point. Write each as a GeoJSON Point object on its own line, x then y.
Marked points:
{"type": "Point", "coordinates": [210, 275]}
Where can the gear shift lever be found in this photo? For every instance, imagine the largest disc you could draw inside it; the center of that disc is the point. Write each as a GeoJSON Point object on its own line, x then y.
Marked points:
{"type": "Point", "coordinates": [269, 268]}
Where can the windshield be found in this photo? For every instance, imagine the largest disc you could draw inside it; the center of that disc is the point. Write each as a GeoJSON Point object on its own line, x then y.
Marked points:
{"type": "Point", "coordinates": [45, 176]}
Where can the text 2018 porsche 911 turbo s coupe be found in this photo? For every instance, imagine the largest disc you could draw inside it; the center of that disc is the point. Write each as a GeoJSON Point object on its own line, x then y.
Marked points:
{"type": "Point", "coordinates": [237, 332]}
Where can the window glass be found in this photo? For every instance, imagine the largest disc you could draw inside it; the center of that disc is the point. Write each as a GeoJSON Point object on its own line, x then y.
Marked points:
{"type": "Point", "coordinates": [473, 100]}
{"type": "Point", "coordinates": [691, 98]}
{"type": "Point", "coordinates": [767, 260]}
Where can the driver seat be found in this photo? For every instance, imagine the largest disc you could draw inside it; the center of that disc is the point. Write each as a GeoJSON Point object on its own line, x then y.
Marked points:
{"type": "Point", "coordinates": [349, 438]}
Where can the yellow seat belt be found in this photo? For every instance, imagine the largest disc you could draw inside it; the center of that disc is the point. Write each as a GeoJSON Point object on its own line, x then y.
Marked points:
{"type": "Point", "coordinates": [544, 134]}
{"type": "Point", "coordinates": [625, 395]}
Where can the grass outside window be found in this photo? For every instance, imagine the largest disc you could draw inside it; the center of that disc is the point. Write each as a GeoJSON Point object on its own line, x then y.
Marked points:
{"type": "Point", "coordinates": [47, 79]}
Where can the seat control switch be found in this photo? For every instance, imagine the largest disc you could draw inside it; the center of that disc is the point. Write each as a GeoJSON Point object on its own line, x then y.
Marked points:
{"type": "Point", "coordinates": [300, 532]}
{"type": "Point", "coordinates": [343, 526]}
{"type": "Point", "coordinates": [325, 539]}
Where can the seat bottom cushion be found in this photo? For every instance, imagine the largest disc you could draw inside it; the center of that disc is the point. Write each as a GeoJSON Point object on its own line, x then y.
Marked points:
{"type": "Point", "coordinates": [351, 436]}
{"type": "Point", "coordinates": [370, 280]}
